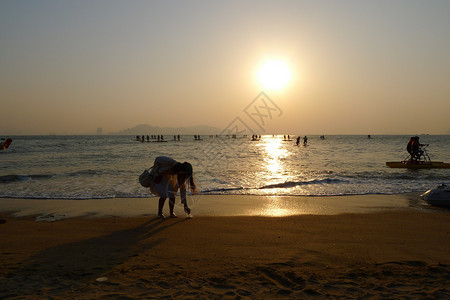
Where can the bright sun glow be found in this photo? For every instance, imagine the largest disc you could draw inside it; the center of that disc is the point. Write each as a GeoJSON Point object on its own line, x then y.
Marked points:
{"type": "Point", "coordinates": [274, 75]}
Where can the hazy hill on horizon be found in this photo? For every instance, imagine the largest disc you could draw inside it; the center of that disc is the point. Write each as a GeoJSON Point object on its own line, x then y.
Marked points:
{"type": "Point", "coordinates": [145, 129]}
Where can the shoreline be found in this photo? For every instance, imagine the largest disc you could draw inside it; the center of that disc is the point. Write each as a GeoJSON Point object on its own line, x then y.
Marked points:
{"type": "Point", "coordinates": [212, 205]}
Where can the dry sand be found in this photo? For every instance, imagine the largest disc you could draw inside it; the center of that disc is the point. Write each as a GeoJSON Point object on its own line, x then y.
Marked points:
{"type": "Point", "coordinates": [396, 253]}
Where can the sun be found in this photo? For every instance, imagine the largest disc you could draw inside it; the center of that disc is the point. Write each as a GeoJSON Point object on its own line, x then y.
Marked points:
{"type": "Point", "coordinates": [274, 75]}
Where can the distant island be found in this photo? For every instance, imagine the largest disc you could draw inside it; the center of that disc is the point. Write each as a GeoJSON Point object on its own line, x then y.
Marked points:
{"type": "Point", "coordinates": [145, 129]}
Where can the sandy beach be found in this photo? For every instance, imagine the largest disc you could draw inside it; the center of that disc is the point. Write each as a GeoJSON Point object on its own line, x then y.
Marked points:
{"type": "Point", "coordinates": [378, 251]}
{"type": "Point", "coordinates": [300, 134]}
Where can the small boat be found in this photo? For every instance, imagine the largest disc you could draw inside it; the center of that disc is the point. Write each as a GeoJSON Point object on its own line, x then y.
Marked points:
{"type": "Point", "coordinates": [4, 144]}
{"type": "Point", "coordinates": [439, 196]}
{"type": "Point", "coordinates": [418, 164]}
{"type": "Point", "coordinates": [424, 162]}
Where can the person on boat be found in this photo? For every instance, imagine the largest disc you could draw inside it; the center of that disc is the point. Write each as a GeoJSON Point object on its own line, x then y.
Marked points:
{"type": "Point", "coordinates": [409, 147]}
{"type": "Point", "coordinates": [169, 176]}
{"type": "Point", "coordinates": [415, 147]}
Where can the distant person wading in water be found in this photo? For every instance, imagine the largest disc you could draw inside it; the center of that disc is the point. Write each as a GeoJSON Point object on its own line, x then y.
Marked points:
{"type": "Point", "coordinates": [168, 176]}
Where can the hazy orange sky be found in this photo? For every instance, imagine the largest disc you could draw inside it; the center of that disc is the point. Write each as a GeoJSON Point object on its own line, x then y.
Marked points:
{"type": "Point", "coordinates": [357, 67]}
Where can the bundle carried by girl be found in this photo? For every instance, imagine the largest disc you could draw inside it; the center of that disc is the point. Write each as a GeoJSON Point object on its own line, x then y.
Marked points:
{"type": "Point", "coordinates": [145, 179]}
{"type": "Point", "coordinates": [161, 166]}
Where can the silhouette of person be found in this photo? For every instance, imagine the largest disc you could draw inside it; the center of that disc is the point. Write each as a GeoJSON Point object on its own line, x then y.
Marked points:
{"type": "Point", "coordinates": [169, 176]}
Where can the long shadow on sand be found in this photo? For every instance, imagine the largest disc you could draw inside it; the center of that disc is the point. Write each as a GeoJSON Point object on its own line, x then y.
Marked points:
{"type": "Point", "coordinates": [65, 267]}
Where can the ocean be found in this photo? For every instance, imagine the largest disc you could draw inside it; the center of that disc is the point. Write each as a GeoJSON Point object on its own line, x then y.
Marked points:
{"type": "Point", "coordinates": [104, 166]}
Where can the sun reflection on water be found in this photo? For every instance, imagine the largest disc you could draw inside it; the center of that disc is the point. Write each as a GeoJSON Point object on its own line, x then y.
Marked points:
{"type": "Point", "coordinates": [273, 157]}
{"type": "Point", "coordinates": [275, 171]}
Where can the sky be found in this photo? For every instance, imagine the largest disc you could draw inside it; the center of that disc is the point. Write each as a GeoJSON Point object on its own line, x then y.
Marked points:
{"type": "Point", "coordinates": [356, 67]}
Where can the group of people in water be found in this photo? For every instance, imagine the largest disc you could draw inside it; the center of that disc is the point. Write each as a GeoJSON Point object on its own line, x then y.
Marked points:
{"type": "Point", "coordinates": [255, 137]}
{"type": "Point", "coordinates": [149, 137]}
{"type": "Point", "coordinates": [287, 138]}
{"type": "Point", "coordinates": [160, 138]}
{"type": "Point", "coordinates": [305, 140]}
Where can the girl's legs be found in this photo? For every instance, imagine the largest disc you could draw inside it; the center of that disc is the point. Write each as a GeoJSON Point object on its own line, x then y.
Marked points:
{"type": "Point", "coordinates": [161, 205]}
{"type": "Point", "coordinates": [171, 206]}
{"type": "Point", "coordinates": [162, 200]}
{"type": "Point", "coordinates": [172, 192]}
{"type": "Point", "coordinates": [160, 189]}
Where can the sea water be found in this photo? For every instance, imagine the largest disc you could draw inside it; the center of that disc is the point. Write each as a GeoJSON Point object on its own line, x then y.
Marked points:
{"type": "Point", "coordinates": [97, 167]}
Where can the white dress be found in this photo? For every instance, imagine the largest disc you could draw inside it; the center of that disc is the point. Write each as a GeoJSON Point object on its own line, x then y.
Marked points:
{"type": "Point", "coordinates": [168, 184]}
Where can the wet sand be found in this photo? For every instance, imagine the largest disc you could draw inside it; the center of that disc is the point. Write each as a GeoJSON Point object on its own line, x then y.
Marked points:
{"type": "Point", "coordinates": [395, 252]}
{"type": "Point", "coordinates": [211, 205]}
